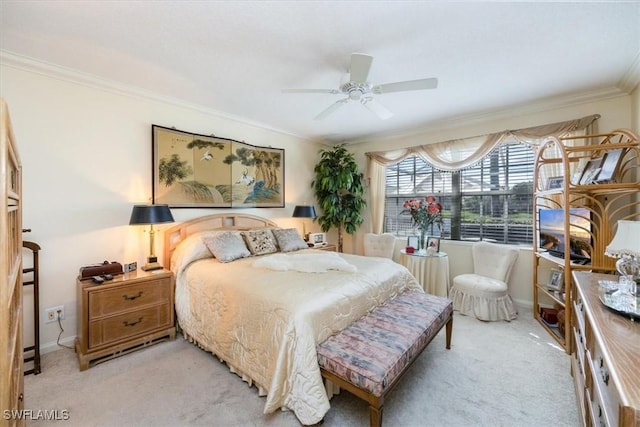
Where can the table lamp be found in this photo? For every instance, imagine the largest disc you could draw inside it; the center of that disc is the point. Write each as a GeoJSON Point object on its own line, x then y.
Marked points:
{"type": "Point", "coordinates": [304, 211]}
{"type": "Point", "coordinates": [149, 215]}
{"type": "Point", "coordinates": [626, 247]}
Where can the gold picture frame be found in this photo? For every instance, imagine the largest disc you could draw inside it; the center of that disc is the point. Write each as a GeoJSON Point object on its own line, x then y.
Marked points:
{"type": "Point", "coordinates": [198, 171]}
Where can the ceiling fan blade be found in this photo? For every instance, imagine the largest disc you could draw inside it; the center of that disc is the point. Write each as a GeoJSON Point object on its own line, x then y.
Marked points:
{"type": "Point", "coordinates": [332, 91]}
{"type": "Point", "coordinates": [360, 66]}
{"type": "Point", "coordinates": [331, 109]}
{"type": "Point", "coordinates": [376, 108]}
{"type": "Point", "coordinates": [420, 84]}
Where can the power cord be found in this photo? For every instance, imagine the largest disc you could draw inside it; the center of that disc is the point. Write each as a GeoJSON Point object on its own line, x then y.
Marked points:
{"type": "Point", "coordinates": [61, 331]}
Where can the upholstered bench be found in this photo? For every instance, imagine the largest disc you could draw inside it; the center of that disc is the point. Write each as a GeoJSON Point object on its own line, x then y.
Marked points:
{"type": "Point", "coordinates": [369, 357]}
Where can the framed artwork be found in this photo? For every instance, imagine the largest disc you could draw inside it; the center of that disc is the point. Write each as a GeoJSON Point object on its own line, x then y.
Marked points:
{"type": "Point", "coordinates": [200, 171]}
{"type": "Point", "coordinates": [591, 171]}
{"type": "Point", "coordinates": [413, 241]}
{"type": "Point", "coordinates": [610, 165]}
{"type": "Point", "coordinates": [433, 242]}
{"type": "Point", "coordinates": [555, 182]}
{"type": "Point", "coordinates": [556, 280]}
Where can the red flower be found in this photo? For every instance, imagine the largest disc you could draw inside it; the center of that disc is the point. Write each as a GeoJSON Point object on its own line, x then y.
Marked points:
{"type": "Point", "coordinates": [424, 214]}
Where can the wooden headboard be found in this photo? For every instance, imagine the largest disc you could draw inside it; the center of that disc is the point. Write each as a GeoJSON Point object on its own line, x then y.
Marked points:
{"type": "Point", "coordinates": [229, 221]}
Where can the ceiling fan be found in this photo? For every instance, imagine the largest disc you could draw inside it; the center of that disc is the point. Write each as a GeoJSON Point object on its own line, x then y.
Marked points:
{"type": "Point", "coordinates": [359, 89]}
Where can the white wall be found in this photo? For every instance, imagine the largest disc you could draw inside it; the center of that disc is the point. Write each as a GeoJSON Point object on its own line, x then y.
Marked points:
{"type": "Point", "coordinates": [86, 156]}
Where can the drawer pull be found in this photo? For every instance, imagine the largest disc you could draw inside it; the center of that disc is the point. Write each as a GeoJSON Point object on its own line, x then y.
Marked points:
{"type": "Point", "coordinates": [603, 372]}
{"type": "Point", "coordinates": [127, 323]}
{"type": "Point", "coordinates": [21, 397]}
{"type": "Point", "coordinates": [132, 297]}
{"type": "Point", "coordinates": [600, 417]}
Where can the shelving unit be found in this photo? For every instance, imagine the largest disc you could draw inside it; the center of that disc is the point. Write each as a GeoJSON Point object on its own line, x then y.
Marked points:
{"type": "Point", "coordinates": [607, 202]}
{"type": "Point", "coordinates": [11, 356]}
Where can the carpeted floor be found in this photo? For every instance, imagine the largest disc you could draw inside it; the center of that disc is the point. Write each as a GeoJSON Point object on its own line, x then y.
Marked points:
{"type": "Point", "coordinates": [496, 374]}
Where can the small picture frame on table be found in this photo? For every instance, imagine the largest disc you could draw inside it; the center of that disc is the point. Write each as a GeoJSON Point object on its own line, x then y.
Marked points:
{"type": "Point", "coordinates": [556, 280]}
{"type": "Point", "coordinates": [433, 243]}
{"type": "Point", "coordinates": [555, 182]}
{"type": "Point", "coordinates": [413, 242]}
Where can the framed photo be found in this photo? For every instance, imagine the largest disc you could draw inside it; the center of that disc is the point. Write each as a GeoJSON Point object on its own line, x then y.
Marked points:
{"type": "Point", "coordinates": [433, 242]}
{"type": "Point", "coordinates": [200, 171]}
{"type": "Point", "coordinates": [591, 171]}
{"type": "Point", "coordinates": [610, 165]}
{"type": "Point", "coordinates": [413, 241]}
{"type": "Point", "coordinates": [555, 182]}
{"type": "Point", "coordinates": [556, 280]}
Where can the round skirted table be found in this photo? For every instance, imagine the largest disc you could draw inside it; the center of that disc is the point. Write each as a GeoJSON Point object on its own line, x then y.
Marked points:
{"type": "Point", "coordinates": [431, 271]}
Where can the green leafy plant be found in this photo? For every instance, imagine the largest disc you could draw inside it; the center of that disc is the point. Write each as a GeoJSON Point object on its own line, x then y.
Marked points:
{"type": "Point", "coordinates": [339, 189]}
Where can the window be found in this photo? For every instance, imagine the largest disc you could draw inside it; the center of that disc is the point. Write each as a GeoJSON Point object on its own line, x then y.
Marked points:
{"type": "Point", "coordinates": [489, 201]}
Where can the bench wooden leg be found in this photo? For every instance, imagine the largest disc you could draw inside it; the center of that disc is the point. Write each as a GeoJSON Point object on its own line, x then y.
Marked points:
{"type": "Point", "coordinates": [375, 416]}
{"type": "Point", "coordinates": [449, 329]}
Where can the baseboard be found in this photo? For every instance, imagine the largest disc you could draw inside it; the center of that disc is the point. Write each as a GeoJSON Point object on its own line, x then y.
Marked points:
{"type": "Point", "coordinates": [523, 303]}
{"type": "Point", "coordinates": [53, 346]}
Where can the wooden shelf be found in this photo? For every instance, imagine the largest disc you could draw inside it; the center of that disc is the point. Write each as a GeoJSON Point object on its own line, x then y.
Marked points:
{"type": "Point", "coordinates": [606, 203]}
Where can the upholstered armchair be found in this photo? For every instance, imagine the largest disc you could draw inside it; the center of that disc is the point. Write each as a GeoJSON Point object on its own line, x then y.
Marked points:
{"type": "Point", "coordinates": [379, 245]}
{"type": "Point", "coordinates": [484, 294]}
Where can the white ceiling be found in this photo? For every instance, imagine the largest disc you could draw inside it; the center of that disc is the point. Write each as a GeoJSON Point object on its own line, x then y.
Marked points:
{"type": "Point", "coordinates": [234, 57]}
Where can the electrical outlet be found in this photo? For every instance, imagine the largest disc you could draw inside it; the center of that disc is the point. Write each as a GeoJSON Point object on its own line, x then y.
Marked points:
{"type": "Point", "coordinates": [51, 314]}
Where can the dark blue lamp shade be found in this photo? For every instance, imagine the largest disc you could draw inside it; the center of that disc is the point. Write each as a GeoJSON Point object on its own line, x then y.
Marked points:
{"type": "Point", "coordinates": [304, 211]}
{"type": "Point", "coordinates": [149, 215]}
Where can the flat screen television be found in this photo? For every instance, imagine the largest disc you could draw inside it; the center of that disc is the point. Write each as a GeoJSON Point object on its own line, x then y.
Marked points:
{"type": "Point", "coordinates": [553, 239]}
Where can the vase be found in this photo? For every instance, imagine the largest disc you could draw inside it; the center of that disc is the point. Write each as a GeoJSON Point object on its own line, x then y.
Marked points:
{"type": "Point", "coordinates": [423, 240]}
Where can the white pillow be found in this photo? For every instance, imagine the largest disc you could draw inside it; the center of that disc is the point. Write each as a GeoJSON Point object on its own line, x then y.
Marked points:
{"type": "Point", "coordinates": [227, 246]}
{"type": "Point", "coordinates": [289, 240]}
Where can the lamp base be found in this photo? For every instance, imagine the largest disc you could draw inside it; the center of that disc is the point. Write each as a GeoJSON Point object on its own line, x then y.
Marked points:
{"type": "Point", "coordinates": [152, 264]}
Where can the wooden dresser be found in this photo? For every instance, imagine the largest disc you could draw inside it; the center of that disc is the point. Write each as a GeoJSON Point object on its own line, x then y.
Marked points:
{"type": "Point", "coordinates": [124, 314]}
{"type": "Point", "coordinates": [606, 359]}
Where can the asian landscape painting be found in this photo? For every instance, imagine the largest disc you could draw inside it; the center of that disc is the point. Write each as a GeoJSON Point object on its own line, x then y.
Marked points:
{"type": "Point", "coordinates": [192, 170]}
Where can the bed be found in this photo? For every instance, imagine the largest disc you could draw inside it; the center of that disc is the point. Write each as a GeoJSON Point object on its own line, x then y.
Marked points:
{"type": "Point", "coordinates": [265, 320]}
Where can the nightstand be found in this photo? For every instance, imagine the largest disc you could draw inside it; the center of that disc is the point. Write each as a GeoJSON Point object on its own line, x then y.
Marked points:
{"type": "Point", "coordinates": [132, 311]}
{"type": "Point", "coordinates": [329, 247]}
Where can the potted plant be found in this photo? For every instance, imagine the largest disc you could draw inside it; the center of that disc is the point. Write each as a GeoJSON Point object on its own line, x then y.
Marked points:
{"type": "Point", "coordinates": [339, 189]}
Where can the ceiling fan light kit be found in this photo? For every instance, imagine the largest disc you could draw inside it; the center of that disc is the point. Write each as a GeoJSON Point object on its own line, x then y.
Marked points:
{"type": "Point", "coordinates": [359, 89]}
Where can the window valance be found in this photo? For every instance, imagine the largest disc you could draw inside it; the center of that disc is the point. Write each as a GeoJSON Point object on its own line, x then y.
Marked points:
{"type": "Point", "coordinates": [457, 154]}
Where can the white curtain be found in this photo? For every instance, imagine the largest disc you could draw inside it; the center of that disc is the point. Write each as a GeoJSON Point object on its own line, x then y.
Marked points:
{"type": "Point", "coordinates": [459, 154]}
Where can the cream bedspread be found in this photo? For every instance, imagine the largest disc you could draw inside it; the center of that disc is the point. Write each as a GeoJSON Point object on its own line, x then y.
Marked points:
{"type": "Point", "coordinates": [265, 324]}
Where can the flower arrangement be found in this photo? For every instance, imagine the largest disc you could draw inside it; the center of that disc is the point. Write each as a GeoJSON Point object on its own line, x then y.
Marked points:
{"type": "Point", "coordinates": [424, 214]}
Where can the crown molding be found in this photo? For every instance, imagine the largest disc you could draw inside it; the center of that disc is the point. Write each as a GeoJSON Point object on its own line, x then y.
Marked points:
{"type": "Point", "coordinates": [528, 108]}
{"type": "Point", "coordinates": [631, 78]}
{"type": "Point", "coordinates": [626, 85]}
{"type": "Point", "coordinates": [58, 72]}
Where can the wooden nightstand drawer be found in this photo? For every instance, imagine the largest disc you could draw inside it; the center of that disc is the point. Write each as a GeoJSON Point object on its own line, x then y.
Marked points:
{"type": "Point", "coordinates": [328, 247]}
{"type": "Point", "coordinates": [124, 298]}
{"type": "Point", "coordinates": [122, 315]}
{"type": "Point", "coordinates": [127, 325]}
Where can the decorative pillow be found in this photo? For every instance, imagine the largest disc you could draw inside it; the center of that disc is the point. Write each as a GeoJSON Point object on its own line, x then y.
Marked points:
{"type": "Point", "coordinates": [289, 239]}
{"type": "Point", "coordinates": [260, 242]}
{"type": "Point", "coordinates": [227, 246]}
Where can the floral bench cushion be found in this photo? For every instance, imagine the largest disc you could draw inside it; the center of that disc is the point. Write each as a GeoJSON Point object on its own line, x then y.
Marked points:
{"type": "Point", "coordinates": [374, 350]}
